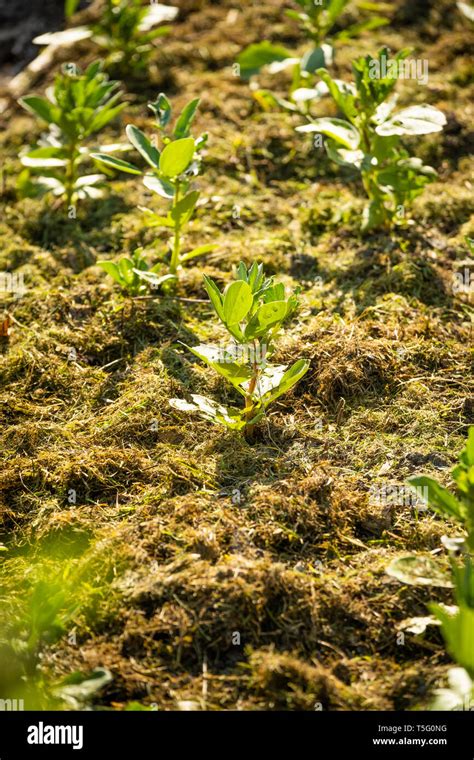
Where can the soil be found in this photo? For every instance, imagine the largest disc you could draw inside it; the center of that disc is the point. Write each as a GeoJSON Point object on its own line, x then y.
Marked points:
{"type": "Point", "coordinates": [198, 568]}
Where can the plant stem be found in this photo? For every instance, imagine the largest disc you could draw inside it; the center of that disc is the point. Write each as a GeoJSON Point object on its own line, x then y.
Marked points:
{"type": "Point", "coordinates": [249, 403]}
{"type": "Point", "coordinates": [70, 174]}
{"type": "Point", "coordinates": [174, 263]}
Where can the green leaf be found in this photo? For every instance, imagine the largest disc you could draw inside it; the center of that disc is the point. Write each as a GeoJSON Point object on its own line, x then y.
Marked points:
{"type": "Point", "coordinates": [183, 210]}
{"type": "Point", "coordinates": [335, 8]}
{"type": "Point", "coordinates": [373, 215]}
{"type": "Point", "coordinates": [70, 7]}
{"type": "Point", "coordinates": [419, 571]}
{"type": "Point", "coordinates": [78, 689]}
{"type": "Point", "coordinates": [41, 107]}
{"type": "Point", "coordinates": [44, 158]}
{"type": "Point", "coordinates": [154, 279]}
{"type": "Point", "coordinates": [160, 186]}
{"type": "Point", "coordinates": [112, 270]}
{"type": "Point", "coordinates": [143, 145]}
{"type": "Point", "coordinates": [199, 251]}
{"type": "Point", "coordinates": [343, 94]}
{"type": "Point", "coordinates": [268, 315]}
{"type": "Point", "coordinates": [288, 380]}
{"type": "Point", "coordinates": [268, 100]}
{"type": "Point", "coordinates": [415, 120]}
{"type": "Point", "coordinates": [470, 244]}
{"type": "Point", "coordinates": [115, 163]}
{"type": "Point", "coordinates": [87, 180]}
{"type": "Point", "coordinates": [65, 37]}
{"type": "Point", "coordinates": [215, 296]}
{"type": "Point", "coordinates": [458, 631]}
{"type": "Point", "coordinates": [469, 450]}
{"type": "Point", "coordinates": [125, 267]}
{"type": "Point", "coordinates": [319, 57]}
{"type": "Point", "coordinates": [343, 157]}
{"type": "Point", "coordinates": [255, 275]}
{"type": "Point", "coordinates": [260, 54]}
{"type": "Point", "coordinates": [162, 109]}
{"type": "Point", "coordinates": [355, 29]}
{"type": "Point", "coordinates": [176, 157]}
{"type": "Point", "coordinates": [222, 362]}
{"type": "Point", "coordinates": [238, 300]}
{"type": "Point", "coordinates": [162, 31]}
{"type": "Point", "coordinates": [156, 220]}
{"type": "Point", "coordinates": [338, 129]}
{"type": "Point", "coordinates": [438, 497]}
{"type": "Point", "coordinates": [228, 416]}
{"type": "Point", "coordinates": [186, 117]}
{"type": "Point", "coordinates": [92, 70]}
{"type": "Point", "coordinates": [104, 116]}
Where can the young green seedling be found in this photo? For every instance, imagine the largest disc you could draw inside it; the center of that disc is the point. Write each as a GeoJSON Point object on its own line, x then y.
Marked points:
{"type": "Point", "coordinates": [457, 628]}
{"type": "Point", "coordinates": [78, 106]}
{"type": "Point", "coordinates": [133, 275]}
{"type": "Point", "coordinates": [170, 173]}
{"type": "Point", "coordinates": [459, 506]}
{"type": "Point", "coordinates": [369, 136]}
{"type": "Point", "coordinates": [252, 309]}
{"type": "Point", "coordinates": [318, 21]}
{"type": "Point", "coordinates": [125, 32]}
{"type": "Point", "coordinates": [457, 623]}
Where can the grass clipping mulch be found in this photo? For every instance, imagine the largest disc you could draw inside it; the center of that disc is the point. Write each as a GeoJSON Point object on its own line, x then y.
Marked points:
{"type": "Point", "coordinates": [202, 571]}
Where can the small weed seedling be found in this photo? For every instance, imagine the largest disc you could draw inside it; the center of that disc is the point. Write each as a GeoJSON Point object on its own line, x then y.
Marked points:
{"type": "Point", "coordinates": [369, 137]}
{"type": "Point", "coordinates": [78, 106]}
{"type": "Point", "coordinates": [172, 170]}
{"type": "Point", "coordinates": [133, 275]}
{"type": "Point", "coordinates": [252, 309]}
{"type": "Point", "coordinates": [317, 21]}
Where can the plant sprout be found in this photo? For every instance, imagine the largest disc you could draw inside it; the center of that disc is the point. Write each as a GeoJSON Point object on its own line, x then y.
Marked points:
{"type": "Point", "coordinates": [459, 507]}
{"type": "Point", "coordinates": [252, 309]}
{"type": "Point", "coordinates": [125, 32]}
{"type": "Point", "coordinates": [369, 136]}
{"type": "Point", "coordinates": [78, 106]}
{"type": "Point", "coordinates": [318, 22]}
{"type": "Point", "coordinates": [457, 623]}
{"type": "Point", "coordinates": [133, 275]}
{"type": "Point", "coordinates": [170, 173]}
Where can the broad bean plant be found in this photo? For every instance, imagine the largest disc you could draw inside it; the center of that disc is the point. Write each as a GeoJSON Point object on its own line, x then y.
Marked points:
{"type": "Point", "coordinates": [133, 274]}
{"type": "Point", "coordinates": [457, 622]}
{"type": "Point", "coordinates": [78, 106]}
{"type": "Point", "coordinates": [125, 32]}
{"type": "Point", "coordinates": [171, 169]}
{"type": "Point", "coordinates": [368, 138]}
{"type": "Point", "coordinates": [252, 309]}
{"type": "Point", "coordinates": [127, 29]}
{"type": "Point", "coordinates": [322, 23]}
